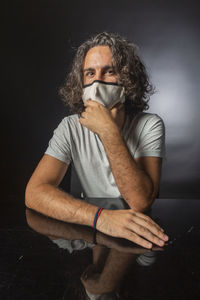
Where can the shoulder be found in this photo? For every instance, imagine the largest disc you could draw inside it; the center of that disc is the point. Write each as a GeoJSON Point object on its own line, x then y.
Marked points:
{"type": "Point", "coordinates": [146, 121]}
{"type": "Point", "coordinates": [69, 122]}
{"type": "Point", "coordinates": [72, 119]}
{"type": "Point", "coordinates": [151, 135]}
{"type": "Point", "coordinates": [67, 126]}
{"type": "Point", "coordinates": [148, 117]}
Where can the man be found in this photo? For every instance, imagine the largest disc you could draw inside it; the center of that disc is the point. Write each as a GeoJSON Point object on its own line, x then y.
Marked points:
{"type": "Point", "coordinates": [116, 148]}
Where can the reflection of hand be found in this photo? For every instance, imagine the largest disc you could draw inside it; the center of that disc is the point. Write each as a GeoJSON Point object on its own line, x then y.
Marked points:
{"type": "Point", "coordinates": [58, 229]}
{"type": "Point", "coordinates": [133, 226]}
{"type": "Point", "coordinates": [97, 118]}
{"type": "Point", "coordinates": [122, 245]}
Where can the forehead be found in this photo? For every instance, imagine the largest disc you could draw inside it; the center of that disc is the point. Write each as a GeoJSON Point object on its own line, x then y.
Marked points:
{"type": "Point", "coordinates": [98, 56]}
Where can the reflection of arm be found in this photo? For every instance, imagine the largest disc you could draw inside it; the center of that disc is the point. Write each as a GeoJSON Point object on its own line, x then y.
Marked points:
{"type": "Point", "coordinates": [117, 264]}
{"type": "Point", "coordinates": [44, 196]}
{"type": "Point", "coordinates": [113, 269]}
{"type": "Point", "coordinates": [58, 229]}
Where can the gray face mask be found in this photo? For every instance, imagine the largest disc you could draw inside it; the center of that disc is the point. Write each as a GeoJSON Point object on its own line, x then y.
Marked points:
{"type": "Point", "coordinates": [106, 93]}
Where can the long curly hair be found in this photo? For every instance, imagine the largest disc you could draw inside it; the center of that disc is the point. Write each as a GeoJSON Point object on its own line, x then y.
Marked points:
{"type": "Point", "coordinates": [129, 68]}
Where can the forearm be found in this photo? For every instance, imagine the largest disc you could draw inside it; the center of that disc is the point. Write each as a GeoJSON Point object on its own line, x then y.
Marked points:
{"type": "Point", "coordinates": [58, 229]}
{"type": "Point", "coordinates": [133, 183]}
{"type": "Point", "coordinates": [51, 201]}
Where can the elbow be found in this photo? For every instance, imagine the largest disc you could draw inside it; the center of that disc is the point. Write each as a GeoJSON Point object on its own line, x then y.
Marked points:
{"type": "Point", "coordinates": [143, 204]}
{"type": "Point", "coordinates": [28, 196]}
{"type": "Point", "coordinates": [149, 196]}
{"type": "Point", "coordinates": [147, 201]}
{"type": "Point", "coordinates": [142, 201]}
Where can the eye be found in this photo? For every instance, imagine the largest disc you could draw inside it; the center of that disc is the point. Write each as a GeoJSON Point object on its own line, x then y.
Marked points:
{"type": "Point", "coordinates": [110, 71]}
{"type": "Point", "coordinates": [89, 74]}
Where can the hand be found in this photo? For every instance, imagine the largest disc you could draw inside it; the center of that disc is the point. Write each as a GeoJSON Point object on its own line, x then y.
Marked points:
{"type": "Point", "coordinates": [97, 118]}
{"type": "Point", "coordinates": [133, 226]}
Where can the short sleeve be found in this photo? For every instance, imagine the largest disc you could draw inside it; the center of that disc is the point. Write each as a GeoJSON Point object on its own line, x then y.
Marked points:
{"type": "Point", "coordinates": [152, 138]}
{"type": "Point", "coordinates": [60, 145]}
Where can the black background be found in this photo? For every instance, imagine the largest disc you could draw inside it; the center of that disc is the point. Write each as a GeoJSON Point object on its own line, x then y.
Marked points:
{"type": "Point", "coordinates": [38, 41]}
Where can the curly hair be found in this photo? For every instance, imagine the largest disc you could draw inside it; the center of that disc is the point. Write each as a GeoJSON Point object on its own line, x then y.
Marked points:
{"type": "Point", "coordinates": [127, 65]}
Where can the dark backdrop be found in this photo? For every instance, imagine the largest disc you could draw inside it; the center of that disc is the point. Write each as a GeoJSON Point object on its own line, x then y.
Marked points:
{"type": "Point", "coordinates": [37, 44]}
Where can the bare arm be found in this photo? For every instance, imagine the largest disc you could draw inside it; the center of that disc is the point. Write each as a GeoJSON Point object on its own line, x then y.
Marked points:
{"type": "Point", "coordinates": [44, 196]}
{"type": "Point", "coordinates": [137, 179]}
{"type": "Point", "coordinates": [55, 230]}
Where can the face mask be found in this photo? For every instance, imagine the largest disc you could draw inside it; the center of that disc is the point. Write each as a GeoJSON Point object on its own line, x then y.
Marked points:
{"type": "Point", "coordinates": [106, 93]}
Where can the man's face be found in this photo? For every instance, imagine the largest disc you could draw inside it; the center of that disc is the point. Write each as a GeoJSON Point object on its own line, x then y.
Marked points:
{"type": "Point", "coordinates": [98, 65]}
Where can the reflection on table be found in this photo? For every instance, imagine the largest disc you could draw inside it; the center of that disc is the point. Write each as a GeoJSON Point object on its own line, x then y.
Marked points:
{"type": "Point", "coordinates": [50, 259]}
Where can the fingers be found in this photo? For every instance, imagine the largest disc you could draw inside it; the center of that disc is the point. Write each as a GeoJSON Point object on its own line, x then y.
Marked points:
{"type": "Point", "coordinates": [84, 114]}
{"type": "Point", "coordinates": [142, 228]}
{"type": "Point", "coordinates": [133, 237]}
{"type": "Point", "coordinates": [147, 233]}
{"type": "Point", "coordinates": [148, 219]}
{"type": "Point", "coordinates": [143, 238]}
{"type": "Point", "coordinates": [91, 103]}
{"type": "Point", "coordinates": [133, 226]}
{"type": "Point", "coordinates": [151, 226]}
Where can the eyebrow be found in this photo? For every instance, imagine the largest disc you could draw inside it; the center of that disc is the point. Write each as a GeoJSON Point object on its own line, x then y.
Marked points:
{"type": "Point", "coordinates": [88, 69]}
{"type": "Point", "coordinates": [104, 68]}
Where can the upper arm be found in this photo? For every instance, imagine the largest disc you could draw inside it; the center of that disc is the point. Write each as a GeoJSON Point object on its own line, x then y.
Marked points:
{"type": "Point", "coordinates": [151, 149]}
{"type": "Point", "coordinates": [152, 166]}
{"type": "Point", "coordinates": [49, 170]}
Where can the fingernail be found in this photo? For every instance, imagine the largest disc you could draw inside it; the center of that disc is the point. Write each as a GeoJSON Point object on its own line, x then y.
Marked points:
{"type": "Point", "coordinates": [161, 243]}
{"type": "Point", "coordinates": [166, 237]}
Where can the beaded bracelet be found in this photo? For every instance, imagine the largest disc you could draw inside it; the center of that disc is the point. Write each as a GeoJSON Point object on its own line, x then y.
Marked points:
{"type": "Point", "coordinates": [97, 216]}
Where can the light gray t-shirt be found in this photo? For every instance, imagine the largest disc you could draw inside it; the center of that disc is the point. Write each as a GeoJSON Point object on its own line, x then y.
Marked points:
{"type": "Point", "coordinates": [144, 135]}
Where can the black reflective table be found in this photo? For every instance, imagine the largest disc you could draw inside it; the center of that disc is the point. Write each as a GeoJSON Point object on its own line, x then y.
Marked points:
{"type": "Point", "coordinates": [42, 258]}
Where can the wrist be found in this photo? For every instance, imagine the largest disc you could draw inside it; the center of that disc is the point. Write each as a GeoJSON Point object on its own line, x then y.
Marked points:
{"type": "Point", "coordinates": [101, 220]}
{"type": "Point", "coordinates": [100, 209]}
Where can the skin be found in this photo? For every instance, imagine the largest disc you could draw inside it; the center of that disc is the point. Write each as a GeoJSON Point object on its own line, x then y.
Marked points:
{"type": "Point", "coordinates": [107, 271]}
{"type": "Point", "coordinates": [111, 257]}
{"type": "Point", "coordinates": [137, 180]}
{"type": "Point", "coordinates": [55, 229]}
